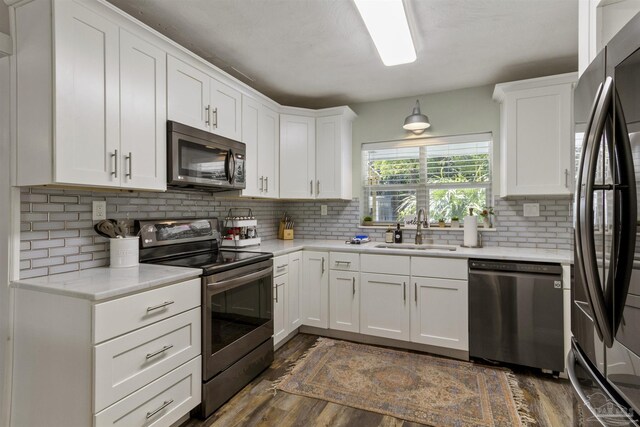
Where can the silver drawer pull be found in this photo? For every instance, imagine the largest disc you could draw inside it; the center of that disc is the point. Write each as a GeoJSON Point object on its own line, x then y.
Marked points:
{"type": "Point", "coordinates": [343, 262]}
{"type": "Point", "coordinates": [159, 306]}
{"type": "Point", "coordinates": [280, 267]}
{"type": "Point", "coordinates": [162, 350]}
{"type": "Point", "coordinates": [164, 405]}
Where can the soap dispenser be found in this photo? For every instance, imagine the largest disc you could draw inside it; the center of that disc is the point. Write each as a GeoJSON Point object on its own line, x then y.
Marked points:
{"type": "Point", "coordinates": [397, 237]}
{"type": "Point", "coordinates": [388, 237]}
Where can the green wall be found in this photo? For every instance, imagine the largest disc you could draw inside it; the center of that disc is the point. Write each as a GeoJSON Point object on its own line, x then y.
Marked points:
{"type": "Point", "coordinates": [455, 112]}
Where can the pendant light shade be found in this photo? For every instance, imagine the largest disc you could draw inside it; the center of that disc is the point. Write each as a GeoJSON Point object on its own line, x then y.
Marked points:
{"type": "Point", "coordinates": [416, 122]}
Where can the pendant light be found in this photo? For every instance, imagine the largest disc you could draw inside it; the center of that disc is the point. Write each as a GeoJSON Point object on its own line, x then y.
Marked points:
{"type": "Point", "coordinates": [416, 122]}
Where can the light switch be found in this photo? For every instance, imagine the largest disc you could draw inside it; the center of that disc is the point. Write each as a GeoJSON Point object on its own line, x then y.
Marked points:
{"type": "Point", "coordinates": [99, 210]}
{"type": "Point", "coordinates": [323, 209]}
{"type": "Point", "coordinates": [531, 209]}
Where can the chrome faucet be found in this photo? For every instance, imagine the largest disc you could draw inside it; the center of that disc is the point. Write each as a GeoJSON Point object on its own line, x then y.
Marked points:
{"type": "Point", "coordinates": [421, 215]}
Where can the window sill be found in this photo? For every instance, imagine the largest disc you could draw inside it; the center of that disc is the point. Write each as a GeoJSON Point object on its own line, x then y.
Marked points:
{"type": "Point", "coordinates": [385, 227]}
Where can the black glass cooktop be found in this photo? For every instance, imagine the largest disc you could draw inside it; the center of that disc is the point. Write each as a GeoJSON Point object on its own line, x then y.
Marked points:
{"type": "Point", "coordinates": [216, 261]}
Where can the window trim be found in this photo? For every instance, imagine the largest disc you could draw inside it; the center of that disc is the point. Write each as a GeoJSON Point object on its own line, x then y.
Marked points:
{"type": "Point", "coordinates": [426, 187]}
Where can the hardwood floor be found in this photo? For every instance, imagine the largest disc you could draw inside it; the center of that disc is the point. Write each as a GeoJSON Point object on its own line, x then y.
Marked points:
{"type": "Point", "coordinates": [549, 399]}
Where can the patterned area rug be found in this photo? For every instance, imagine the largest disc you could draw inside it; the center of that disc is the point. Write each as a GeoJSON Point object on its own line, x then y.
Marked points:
{"type": "Point", "coordinates": [415, 387]}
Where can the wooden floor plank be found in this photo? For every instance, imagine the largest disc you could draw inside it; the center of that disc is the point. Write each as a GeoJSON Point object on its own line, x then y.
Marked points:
{"type": "Point", "coordinates": [256, 405]}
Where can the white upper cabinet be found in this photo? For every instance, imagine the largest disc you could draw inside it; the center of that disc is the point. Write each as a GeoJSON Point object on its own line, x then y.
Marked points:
{"type": "Point", "coordinates": [198, 100]}
{"type": "Point", "coordinates": [260, 132]}
{"type": "Point", "coordinates": [315, 154]}
{"type": "Point", "coordinates": [536, 147]}
{"type": "Point", "coordinates": [297, 156]}
{"type": "Point", "coordinates": [143, 114]}
{"type": "Point", "coordinates": [103, 116]}
{"type": "Point", "coordinates": [188, 94]}
{"type": "Point", "coordinates": [87, 118]}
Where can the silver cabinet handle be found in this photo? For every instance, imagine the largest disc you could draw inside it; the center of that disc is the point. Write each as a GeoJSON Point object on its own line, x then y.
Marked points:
{"type": "Point", "coordinates": [566, 178]}
{"type": "Point", "coordinates": [207, 114]}
{"type": "Point", "coordinates": [215, 117]}
{"type": "Point", "coordinates": [323, 266]}
{"type": "Point", "coordinates": [404, 291]}
{"type": "Point", "coordinates": [311, 187]}
{"type": "Point", "coordinates": [115, 166]}
{"type": "Point", "coordinates": [164, 405]}
{"type": "Point", "coordinates": [276, 293]}
{"type": "Point", "coordinates": [415, 292]}
{"type": "Point", "coordinates": [280, 267]}
{"type": "Point", "coordinates": [317, 187]}
{"type": "Point", "coordinates": [130, 159]}
{"type": "Point", "coordinates": [261, 184]}
{"type": "Point", "coordinates": [159, 306]}
{"type": "Point", "coordinates": [266, 184]}
{"type": "Point", "coordinates": [162, 350]}
{"type": "Point", "coordinates": [343, 262]}
{"type": "Point", "coordinates": [353, 285]}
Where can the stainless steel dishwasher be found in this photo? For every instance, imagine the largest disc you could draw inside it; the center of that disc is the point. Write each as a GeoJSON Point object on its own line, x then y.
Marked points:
{"type": "Point", "coordinates": [515, 313]}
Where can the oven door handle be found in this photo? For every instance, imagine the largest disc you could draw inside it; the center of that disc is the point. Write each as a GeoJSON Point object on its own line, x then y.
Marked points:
{"type": "Point", "coordinates": [225, 285]}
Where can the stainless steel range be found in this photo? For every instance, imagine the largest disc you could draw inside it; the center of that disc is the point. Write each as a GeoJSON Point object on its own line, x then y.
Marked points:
{"type": "Point", "coordinates": [237, 314]}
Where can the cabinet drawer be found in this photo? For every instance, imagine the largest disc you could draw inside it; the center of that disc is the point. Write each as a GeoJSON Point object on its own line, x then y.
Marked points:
{"type": "Point", "coordinates": [344, 261]}
{"type": "Point", "coordinates": [385, 264]}
{"type": "Point", "coordinates": [445, 268]}
{"type": "Point", "coordinates": [123, 315]}
{"type": "Point", "coordinates": [161, 403]}
{"type": "Point", "coordinates": [126, 363]}
{"type": "Point", "coordinates": [280, 265]}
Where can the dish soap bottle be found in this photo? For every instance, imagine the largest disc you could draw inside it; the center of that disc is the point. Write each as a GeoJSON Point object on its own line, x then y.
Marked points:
{"type": "Point", "coordinates": [397, 237]}
{"type": "Point", "coordinates": [388, 237]}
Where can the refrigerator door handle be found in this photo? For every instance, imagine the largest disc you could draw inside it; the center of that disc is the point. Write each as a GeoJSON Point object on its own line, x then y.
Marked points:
{"type": "Point", "coordinates": [585, 239]}
{"type": "Point", "coordinates": [626, 219]}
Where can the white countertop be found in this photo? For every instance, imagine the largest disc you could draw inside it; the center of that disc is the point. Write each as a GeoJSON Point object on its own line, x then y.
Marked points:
{"type": "Point", "coordinates": [281, 247]}
{"type": "Point", "coordinates": [98, 284]}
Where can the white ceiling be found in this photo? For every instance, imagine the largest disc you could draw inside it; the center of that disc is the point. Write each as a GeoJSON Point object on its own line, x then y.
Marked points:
{"type": "Point", "coordinates": [317, 53]}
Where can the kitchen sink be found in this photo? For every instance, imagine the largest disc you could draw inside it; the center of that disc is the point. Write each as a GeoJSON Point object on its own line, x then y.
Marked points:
{"type": "Point", "coordinates": [412, 246]}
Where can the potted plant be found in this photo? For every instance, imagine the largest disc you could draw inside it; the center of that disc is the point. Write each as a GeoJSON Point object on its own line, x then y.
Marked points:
{"type": "Point", "coordinates": [455, 222]}
{"type": "Point", "coordinates": [367, 220]}
{"type": "Point", "coordinates": [441, 223]}
{"type": "Point", "coordinates": [486, 215]}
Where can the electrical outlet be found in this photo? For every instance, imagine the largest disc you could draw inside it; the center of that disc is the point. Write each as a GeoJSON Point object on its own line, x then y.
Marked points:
{"type": "Point", "coordinates": [99, 210]}
{"type": "Point", "coordinates": [531, 209]}
{"type": "Point", "coordinates": [323, 209]}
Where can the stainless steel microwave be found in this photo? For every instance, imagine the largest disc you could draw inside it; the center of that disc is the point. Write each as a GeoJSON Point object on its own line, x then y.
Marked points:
{"type": "Point", "coordinates": [199, 159]}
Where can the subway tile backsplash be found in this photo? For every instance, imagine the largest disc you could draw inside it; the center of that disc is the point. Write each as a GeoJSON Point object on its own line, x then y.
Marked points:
{"type": "Point", "coordinates": [57, 231]}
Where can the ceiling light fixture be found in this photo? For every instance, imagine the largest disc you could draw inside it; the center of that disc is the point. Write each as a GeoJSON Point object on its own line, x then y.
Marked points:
{"type": "Point", "coordinates": [389, 29]}
{"type": "Point", "coordinates": [416, 122]}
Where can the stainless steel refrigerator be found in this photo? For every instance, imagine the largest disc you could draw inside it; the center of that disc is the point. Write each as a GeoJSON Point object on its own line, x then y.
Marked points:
{"type": "Point", "coordinates": [604, 362]}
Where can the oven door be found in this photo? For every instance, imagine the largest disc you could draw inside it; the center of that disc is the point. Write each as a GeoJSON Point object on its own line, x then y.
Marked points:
{"type": "Point", "coordinates": [237, 315]}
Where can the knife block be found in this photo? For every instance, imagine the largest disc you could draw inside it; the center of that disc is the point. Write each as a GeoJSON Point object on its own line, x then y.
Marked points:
{"type": "Point", "coordinates": [284, 233]}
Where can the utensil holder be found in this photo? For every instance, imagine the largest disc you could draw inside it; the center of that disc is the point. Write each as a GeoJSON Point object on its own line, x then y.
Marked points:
{"type": "Point", "coordinates": [284, 233]}
{"type": "Point", "coordinates": [124, 252]}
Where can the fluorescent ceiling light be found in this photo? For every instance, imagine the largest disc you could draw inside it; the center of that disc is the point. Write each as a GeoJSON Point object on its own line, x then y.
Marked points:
{"type": "Point", "coordinates": [388, 27]}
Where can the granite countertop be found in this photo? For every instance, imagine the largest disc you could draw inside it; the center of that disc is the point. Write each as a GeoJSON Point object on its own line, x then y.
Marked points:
{"type": "Point", "coordinates": [97, 284]}
{"type": "Point", "coordinates": [282, 247]}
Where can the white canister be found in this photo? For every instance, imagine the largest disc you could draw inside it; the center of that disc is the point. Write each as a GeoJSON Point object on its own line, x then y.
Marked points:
{"type": "Point", "coordinates": [124, 252]}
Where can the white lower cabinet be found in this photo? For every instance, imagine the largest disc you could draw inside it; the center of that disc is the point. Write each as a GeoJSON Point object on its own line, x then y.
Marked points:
{"type": "Point", "coordinates": [280, 321]}
{"type": "Point", "coordinates": [286, 295]}
{"type": "Point", "coordinates": [344, 301]}
{"type": "Point", "coordinates": [293, 292]}
{"type": "Point", "coordinates": [132, 360]}
{"type": "Point", "coordinates": [384, 306]}
{"type": "Point", "coordinates": [439, 313]}
{"type": "Point", "coordinates": [315, 289]}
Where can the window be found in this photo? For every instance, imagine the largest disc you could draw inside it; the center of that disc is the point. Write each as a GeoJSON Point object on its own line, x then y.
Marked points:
{"type": "Point", "coordinates": [446, 175]}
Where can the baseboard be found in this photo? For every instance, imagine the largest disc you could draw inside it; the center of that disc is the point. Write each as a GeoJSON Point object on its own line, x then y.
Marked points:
{"type": "Point", "coordinates": [387, 342]}
{"type": "Point", "coordinates": [286, 339]}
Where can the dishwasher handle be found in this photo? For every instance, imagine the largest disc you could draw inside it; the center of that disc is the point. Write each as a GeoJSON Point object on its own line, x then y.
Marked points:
{"type": "Point", "coordinates": [555, 277]}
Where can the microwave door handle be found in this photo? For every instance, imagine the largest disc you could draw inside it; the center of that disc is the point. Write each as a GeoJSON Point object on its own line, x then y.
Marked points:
{"type": "Point", "coordinates": [587, 236]}
{"type": "Point", "coordinates": [230, 166]}
{"type": "Point", "coordinates": [626, 217]}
